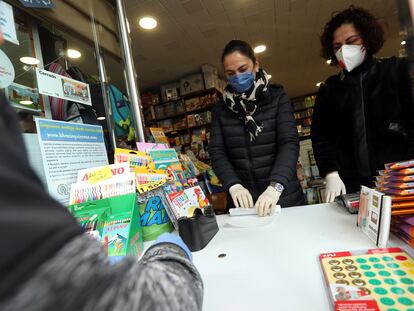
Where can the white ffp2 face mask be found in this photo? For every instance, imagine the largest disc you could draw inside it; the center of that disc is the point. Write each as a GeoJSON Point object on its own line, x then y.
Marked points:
{"type": "Point", "coordinates": [350, 56]}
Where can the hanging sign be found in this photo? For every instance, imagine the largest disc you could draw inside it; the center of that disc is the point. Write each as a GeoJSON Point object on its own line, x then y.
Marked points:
{"type": "Point", "coordinates": [55, 85]}
{"type": "Point", "coordinates": [6, 71]}
{"type": "Point", "coordinates": [39, 4]}
{"type": "Point", "coordinates": [7, 25]}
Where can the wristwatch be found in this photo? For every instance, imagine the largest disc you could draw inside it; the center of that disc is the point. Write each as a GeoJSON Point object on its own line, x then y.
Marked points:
{"type": "Point", "coordinates": [278, 187]}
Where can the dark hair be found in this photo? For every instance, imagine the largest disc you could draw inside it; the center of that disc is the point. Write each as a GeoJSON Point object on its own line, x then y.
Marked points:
{"type": "Point", "coordinates": [238, 46]}
{"type": "Point", "coordinates": [365, 23]}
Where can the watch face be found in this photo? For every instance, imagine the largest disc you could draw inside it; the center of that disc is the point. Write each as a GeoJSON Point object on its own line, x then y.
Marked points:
{"type": "Point", "coordinates": [279, 187]}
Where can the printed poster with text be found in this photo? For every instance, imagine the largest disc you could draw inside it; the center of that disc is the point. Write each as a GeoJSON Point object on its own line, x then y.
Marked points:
{"type": "Point", "coordinates": [67, 148]}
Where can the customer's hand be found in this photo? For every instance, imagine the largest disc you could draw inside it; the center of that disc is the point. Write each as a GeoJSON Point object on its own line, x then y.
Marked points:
{"type": "Point", "coordinates": [334, 187]}
{"type": "Point", "coordinates": [241, 196]}
{"type": "Point", "coordinates": [174, 239]}
{"type": "Point", "coordinates": [266, 204]}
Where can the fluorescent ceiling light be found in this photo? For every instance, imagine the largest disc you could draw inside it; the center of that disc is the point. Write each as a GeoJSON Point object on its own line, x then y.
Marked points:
{"type": "Point", "coordinates": [148, 23]}
{"type": "Point", "coordinates": [26, 102]}
{"type": "Point", "coordinates": [72, 53]}
{"type": "Point", "coordinates": [260, 48]}
{"type": "Point", "coordinates": [29, 60]}
{"type": "Point", "coordinates": [101, 118]}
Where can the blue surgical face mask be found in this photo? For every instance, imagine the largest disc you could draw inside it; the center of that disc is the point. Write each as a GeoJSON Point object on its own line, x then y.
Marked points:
{"type": "Point", "coordinates": [241, 82]}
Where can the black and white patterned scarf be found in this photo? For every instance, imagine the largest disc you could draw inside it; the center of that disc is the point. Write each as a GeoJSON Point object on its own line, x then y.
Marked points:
{"type": "Point", "coordinates": [244, 104]}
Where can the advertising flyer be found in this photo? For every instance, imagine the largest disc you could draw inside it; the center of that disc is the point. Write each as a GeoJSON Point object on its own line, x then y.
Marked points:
{"type": "Point", "coordinates": [67, 148]}
{"type": "Point", "coordinates": [7, 24]}
{"type": "Point", "coordinates": [55, 85]}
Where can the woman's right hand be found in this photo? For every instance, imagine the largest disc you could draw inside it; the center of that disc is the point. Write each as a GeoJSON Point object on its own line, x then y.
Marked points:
{"type": "Point", "coordinates": [241, 196]}
{"type": "Point", "coordinates": [334, 187]}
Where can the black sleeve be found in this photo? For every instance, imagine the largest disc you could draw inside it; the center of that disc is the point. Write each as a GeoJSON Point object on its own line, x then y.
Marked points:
{"type": "Point", "coordinates": [32, 224]}
{"type": "Point", "coordinates": [219, 159]}
{"type": "Point", "coordinates": [284, 168]}
{"type": "Point", "coordinates": [323, 143]}
{"type": "Point", "coordinates": [405, 89]}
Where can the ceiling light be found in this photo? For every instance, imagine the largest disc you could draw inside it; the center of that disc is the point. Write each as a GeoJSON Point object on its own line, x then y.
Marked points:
{"type": "Point", "coordinates": [260, 48]}
{"type": "Point", "coordinates": [403, 42]}
{"type": "Point", "coordinates": [29, 60]}
{"type": "Point", "coordinates": [100, 118]}
{"type": "Point", "coordinates": [148, 23]}
{"type": "Point", "coordinates": [26, 102]}
{"type": "Point", "coordinates": [319, 84]}
{"type": "Point", "coordinates": [329, 61]}
{"type": "Point", "coordinates": [71, 53]}
{"type": "Point", "coordinates": [269, 76]}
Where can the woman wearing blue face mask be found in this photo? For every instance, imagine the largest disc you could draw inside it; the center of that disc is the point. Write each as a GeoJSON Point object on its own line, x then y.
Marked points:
{"type": "Point", "coordinates": [254, 145]}
{"type": "Point", "coordinates": [364, 116]}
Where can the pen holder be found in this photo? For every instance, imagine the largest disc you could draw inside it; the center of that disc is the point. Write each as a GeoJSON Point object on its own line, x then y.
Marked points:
{"type": "Point", "coordinates": [197, 231]}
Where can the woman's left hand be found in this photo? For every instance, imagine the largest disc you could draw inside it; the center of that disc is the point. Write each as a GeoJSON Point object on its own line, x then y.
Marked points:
{"type": "Point", "coordinates": [266, 204]}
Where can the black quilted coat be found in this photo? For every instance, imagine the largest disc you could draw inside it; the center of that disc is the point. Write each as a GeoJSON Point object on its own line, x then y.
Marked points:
{"type": "Point", "coordinates": [364, 119]}
{"type": "Point", "coordinates": [272, 156]}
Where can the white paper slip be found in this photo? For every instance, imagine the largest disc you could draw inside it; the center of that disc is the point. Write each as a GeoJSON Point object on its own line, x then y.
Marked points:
{"type": "Point", "coordinates": [238, 211]}
{"type": "Point", "coordinates": [252, 220]}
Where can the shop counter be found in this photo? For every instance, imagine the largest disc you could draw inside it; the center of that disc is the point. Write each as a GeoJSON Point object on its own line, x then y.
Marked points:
{"type": "Point", "coordinates": [276, 267]}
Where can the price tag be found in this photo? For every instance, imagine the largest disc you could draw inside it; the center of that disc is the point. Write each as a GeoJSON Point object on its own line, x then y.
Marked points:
{"type": "Point", "coordinates": [100, 175]}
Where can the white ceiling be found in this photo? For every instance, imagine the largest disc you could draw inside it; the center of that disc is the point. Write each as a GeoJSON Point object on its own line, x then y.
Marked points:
{"type": "Point", "coordinates": [193, 32]}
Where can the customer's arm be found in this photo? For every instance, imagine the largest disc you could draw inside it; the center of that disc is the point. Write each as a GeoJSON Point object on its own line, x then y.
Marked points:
{"type": "Point", "coordinates": [50, 265]}
{"type": "Point", "coordinates": [169, 281]}
{"type": "Point", "coordinates": [284, 168]}
{"type": "Point", "coordinates": [324, 146]}
{"type": "Point", "coordinates": [218, 154]}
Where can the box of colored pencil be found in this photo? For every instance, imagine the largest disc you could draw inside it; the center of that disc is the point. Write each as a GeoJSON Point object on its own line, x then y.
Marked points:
{"type": "Point", "coordinates": [118, 223]}
{"type": "Point", "coordinates": [403, 227]}
{"type": "Point", "coordinates": [147, 147]}
{"type": "Point", "coordinates": [81, 192]}
{"type": "Point", "coordinates": [134, 158]}
{"type": "Point", "coordinates": [397, 180]}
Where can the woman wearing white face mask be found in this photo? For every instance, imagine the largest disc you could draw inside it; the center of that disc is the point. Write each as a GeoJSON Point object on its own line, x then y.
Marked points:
{"type": "Point", "coordinates": [364, 116]}
{"type": "Point", "coordinates": [254, 143]}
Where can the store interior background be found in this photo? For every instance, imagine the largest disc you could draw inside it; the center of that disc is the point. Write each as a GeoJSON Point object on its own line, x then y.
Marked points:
{"type": "Point", "coordinates": [194, 32]}
{"type": "Point", "coordinates": [191, 33]}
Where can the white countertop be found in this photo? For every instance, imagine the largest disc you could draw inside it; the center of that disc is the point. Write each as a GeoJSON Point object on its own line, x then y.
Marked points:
{"type": "Point", "coordinates": [276, 267]}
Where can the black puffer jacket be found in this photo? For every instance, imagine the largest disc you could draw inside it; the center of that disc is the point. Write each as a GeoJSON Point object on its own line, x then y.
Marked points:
{"type": "Point", "coordinates": [364, 119]}
{"type": "Point", "coordinates": [272, 156]}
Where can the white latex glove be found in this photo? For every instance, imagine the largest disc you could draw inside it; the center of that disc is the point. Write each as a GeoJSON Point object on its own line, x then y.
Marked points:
{"type": "Point", "coordinates": [241, 196]}
{"type": "Point", "coordinates": [266, 203]}
{"type": "Point", "coordinates": [334, 187]}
